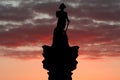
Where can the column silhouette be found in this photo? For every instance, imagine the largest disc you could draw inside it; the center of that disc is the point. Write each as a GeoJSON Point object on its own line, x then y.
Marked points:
{"type": "Point", "coordinates": [60, 58]}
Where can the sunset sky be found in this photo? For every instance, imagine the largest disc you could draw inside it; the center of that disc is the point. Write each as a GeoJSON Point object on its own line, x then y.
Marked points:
{"type": "Point", "coordinates": [27, 25]}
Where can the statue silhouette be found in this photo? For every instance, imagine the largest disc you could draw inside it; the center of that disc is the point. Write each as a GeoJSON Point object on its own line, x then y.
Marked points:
{"type": "Point", "coordinates": [60, 58]}
{"type": "Point", "coordinates": [62, 17]}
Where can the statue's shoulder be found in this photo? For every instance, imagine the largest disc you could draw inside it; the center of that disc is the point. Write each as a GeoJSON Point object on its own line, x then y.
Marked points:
{"type": "Point", "coordinates": [65, 12]}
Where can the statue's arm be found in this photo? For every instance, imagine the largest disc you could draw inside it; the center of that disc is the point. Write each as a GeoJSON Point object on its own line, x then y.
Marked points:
{"type": "Point", "coordinates": [67, 18]}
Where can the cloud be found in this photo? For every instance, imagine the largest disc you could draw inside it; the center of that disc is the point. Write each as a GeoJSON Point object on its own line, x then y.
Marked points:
{"type": "Point", "coordinates": [25, 35]}
{"type": "Point", "coordinates": [14, 14]}
{"type": "Point", "coordinates": [95, 26]}
{"type": "Point", "coordinates": [22, 52]}
{"type": "Point", "coordinates": [97, 9]}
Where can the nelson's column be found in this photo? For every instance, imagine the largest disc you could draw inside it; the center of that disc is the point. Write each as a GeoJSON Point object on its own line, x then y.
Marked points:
{"type": "Point", "coordinates": [60, 58]}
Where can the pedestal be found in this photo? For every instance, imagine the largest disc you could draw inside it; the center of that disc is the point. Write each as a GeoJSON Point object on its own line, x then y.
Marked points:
{"type": "Point", "coordinates": [60, 58]}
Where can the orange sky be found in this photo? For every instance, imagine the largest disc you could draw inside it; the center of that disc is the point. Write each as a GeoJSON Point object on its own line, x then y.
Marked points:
{"type": "Point", "coordinates": [101, 69]}
{"type": "Point", "coordinates": [27, 25]}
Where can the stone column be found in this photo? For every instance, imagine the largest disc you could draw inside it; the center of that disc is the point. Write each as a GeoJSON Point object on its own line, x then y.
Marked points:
{"type": "Point", "coordinates": [60, 58]}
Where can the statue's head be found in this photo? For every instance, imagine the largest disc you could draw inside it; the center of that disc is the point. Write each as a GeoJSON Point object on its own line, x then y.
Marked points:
{"type": "Point", "coordinates": [62, 6]}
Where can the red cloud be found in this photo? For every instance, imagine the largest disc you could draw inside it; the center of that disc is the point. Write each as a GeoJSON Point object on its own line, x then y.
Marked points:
{"type": "Point", "coordinates": [25, 35]}
{"type": "Point", "coordinates": [104, 35]}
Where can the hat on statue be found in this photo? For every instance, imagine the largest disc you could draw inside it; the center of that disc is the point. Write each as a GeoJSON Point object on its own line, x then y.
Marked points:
{"type": "Point", "coordinates": [62, 6]}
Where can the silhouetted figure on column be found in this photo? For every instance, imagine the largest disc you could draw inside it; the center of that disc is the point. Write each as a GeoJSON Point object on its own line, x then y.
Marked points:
{"type": "Point", "coordinates": [62, 17]}
{"type": "Point", "coordinates": [60, 58]}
